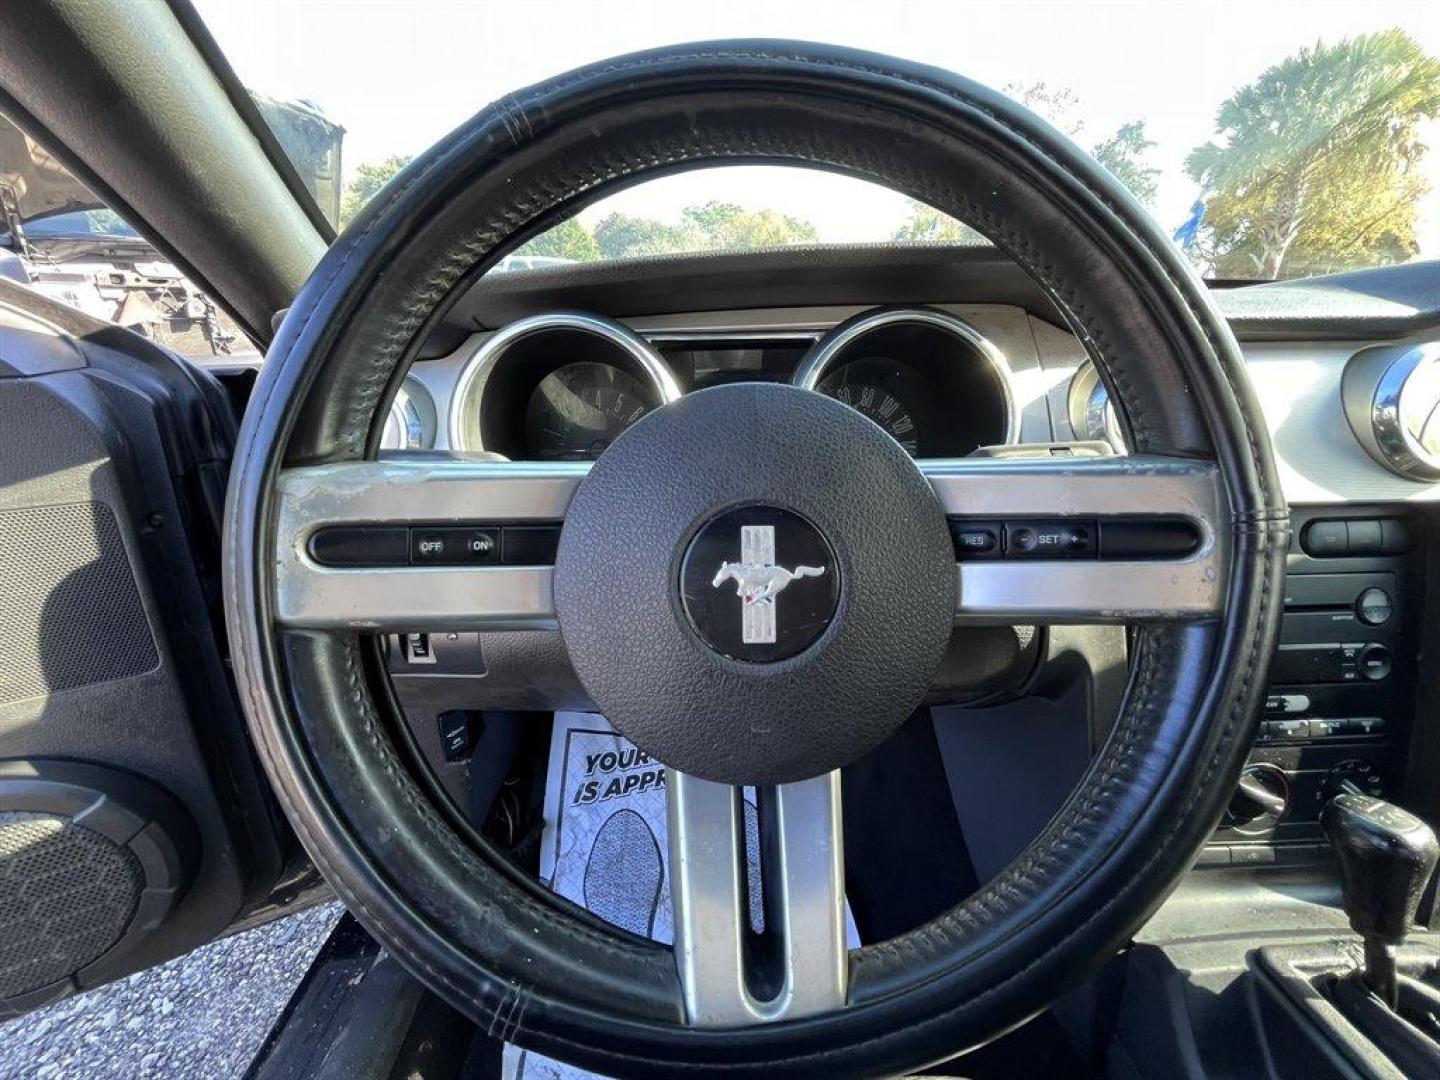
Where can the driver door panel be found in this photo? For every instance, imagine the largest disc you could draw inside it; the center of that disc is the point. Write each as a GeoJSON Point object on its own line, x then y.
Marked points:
{"type": "Point", "coordinates": [133, 826]}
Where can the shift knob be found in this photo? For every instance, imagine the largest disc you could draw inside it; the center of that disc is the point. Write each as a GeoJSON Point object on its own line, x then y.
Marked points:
{"type": "Point", "coordinates": [1386, 858]}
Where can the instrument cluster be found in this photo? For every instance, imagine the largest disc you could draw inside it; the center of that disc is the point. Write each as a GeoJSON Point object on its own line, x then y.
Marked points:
{"type": "Point", "coordinates": [564, 385]}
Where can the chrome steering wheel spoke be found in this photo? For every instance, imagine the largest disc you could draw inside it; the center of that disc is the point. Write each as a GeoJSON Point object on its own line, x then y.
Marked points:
{"type": "Point", "coordinates": [1100, 586]}
{"type": "Point", "coordinates": [448, 491]}
{"type": "Point", "coordinates": [418, 491]}
{"type": "Point", "coordinates": [797, 965]}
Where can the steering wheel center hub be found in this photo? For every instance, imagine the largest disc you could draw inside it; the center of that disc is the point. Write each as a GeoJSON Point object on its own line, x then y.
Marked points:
{"type": "Point", "coordinates": [755, 584]}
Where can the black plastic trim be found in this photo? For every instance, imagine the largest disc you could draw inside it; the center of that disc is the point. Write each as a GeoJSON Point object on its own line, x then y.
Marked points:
{"type": "Point", "coordinates": [1380, 303]}
{"type": "Point", "coordinates": [406, 545]}
{"type": "Point", "coordinates": [206, 45]}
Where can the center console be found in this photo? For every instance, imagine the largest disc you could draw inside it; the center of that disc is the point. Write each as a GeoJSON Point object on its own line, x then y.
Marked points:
{"type": "Point", "coordinates": [1342, 687]}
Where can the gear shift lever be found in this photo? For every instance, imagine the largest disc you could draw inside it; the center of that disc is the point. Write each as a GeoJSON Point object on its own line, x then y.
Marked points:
{"type": "Point", "coordinates": [1386, 858]}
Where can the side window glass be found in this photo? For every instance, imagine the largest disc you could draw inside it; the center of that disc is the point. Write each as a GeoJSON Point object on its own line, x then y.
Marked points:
{"type": "Point", "coordinates": [63, 242]}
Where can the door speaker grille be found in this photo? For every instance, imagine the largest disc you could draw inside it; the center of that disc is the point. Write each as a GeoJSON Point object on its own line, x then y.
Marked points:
{"type": "Point", "coordinates": [66, 896]}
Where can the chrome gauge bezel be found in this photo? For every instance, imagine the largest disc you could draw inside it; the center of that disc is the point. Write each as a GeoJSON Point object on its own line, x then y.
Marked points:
{"type": "Point", "coordinates": [1403, 449]}
{"type": "Point", "coordinates": [833, 346]}
{"type": "Point", "coordinates": [1372, 391]}
{"type": "Point", "coordinates": [411, 422]}
{"type": "Point", "coordinates": [1090, 411]}
{"type": "Point", "coordinates": [464, 425]}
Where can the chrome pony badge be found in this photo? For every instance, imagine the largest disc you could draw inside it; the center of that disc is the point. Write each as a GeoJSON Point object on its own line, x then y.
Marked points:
{"type": "Point", "coordinates": [758, 581]}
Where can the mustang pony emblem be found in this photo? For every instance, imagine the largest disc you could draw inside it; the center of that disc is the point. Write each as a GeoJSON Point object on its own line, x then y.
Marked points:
{"type": "Point", "coordinates": [758, 581]}
{"type": "Point", "coordinates": [759, 584]}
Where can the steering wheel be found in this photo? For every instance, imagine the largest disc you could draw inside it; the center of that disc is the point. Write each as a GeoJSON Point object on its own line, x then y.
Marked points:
{"type": "Point", "coordinates": [668, 500]}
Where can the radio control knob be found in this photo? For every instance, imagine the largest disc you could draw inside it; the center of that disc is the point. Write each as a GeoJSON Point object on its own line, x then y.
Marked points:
{"type": "Point", "coordinates": [1261, 800]}
{"type": "Point", "coordinates": [1375, 662]}
{"type": "Point", "coordinates": [1373, 607]}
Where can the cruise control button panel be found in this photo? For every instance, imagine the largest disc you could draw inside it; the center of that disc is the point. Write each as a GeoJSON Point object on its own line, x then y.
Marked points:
{"type": "Point", "coordinates": [356, 546]}
{"type": "Point", "coordinates": [1071, 538]}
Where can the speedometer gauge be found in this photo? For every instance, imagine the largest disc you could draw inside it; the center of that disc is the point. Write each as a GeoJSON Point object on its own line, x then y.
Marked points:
{"type": "Point", "coordinates": [579, 409]}
{"type": "Point", "coordinates": [868, 388]}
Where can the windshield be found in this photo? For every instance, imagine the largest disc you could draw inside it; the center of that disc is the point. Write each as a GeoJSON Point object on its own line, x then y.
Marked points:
{"type": "Point", "coordinates": [1272, 141]}
{"type": "Point", "coordinates": [100, 224]}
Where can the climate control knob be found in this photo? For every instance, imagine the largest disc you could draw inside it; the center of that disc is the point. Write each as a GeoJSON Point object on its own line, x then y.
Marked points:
{"type": "Point", "coordinates": [1261, 800]}
{"type": "Point", "coordinates": [1354, 776]}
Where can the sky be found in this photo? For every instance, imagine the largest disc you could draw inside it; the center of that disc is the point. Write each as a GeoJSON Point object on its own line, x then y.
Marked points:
{"type": "Point", "coordinates": [398, 74]}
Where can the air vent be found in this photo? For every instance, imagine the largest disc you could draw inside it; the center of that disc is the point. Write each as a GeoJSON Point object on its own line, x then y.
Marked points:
{"type": "Point", "coordinates": [1391, 396]}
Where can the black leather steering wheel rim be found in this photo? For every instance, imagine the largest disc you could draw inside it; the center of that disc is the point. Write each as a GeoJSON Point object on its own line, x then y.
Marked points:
{"type": "Point", "coordinates": [528, 967]}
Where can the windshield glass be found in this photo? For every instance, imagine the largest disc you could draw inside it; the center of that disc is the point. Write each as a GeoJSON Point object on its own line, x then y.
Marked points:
{"type": "Point", "coordinates": [81, 223]}
{"type": "Point", "coordinates": [1272, 141]}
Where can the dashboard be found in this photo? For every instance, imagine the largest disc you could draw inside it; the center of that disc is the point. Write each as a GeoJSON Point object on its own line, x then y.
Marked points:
{"type": "Point", "coordinates": [942, 379]}
{"type": "Point", "coordinates": [553, 366]}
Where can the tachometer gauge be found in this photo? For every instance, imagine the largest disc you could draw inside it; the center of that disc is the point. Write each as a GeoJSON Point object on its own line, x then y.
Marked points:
{"type": "Point", "coordinates": [864, 388]}
{"type": "Point", "coordinates": [579, 409]}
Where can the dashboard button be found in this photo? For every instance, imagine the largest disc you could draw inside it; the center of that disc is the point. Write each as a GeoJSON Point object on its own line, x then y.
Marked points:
{"type": "Point", "coordinates": [454, 546]}
{"type": "Point", "coordinates": [1214, 855]}
{"type": "Point", "coordinates": [1365, 725]}
{"type": "Point", "coordinates": [1325, 539]}
{"type": "Point", "coordinates": [1328, 728]}
{"type": "Point", "coordinates": [1364, 537]}
{"type": "Point", "coordinates": [1288, 729]}
{"type": "Point", "coordinates": [973, 541]}
{"type": "Point", "coordinates": [1395, 538]}
{"type": "Point", "coordinates": [1287, 703]}
{"type": "Point", "coordinates": [1252, 855]}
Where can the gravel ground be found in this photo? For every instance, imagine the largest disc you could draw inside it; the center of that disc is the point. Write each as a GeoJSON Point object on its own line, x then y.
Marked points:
{"type": "Point", "coordinates": [203, 1015]}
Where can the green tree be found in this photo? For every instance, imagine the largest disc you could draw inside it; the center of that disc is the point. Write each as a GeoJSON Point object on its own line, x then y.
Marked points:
{"type": "Point", "coordinates": [710, 216]}
{"type": "Point", "coordinates": [1316, 167]}
{"type": "Point", "coordinates": [1124, 154]}
{"type": "Point", "coordinates": [926, 225]}
{"type": "Point", "coordinates": [568, 240]}
{"type": "Point", "coordinates": [366, 182]}
{"type": "Point", "coordinates": [624, 236]}
{"type": "Point", "coordinates": [711, 226]}
{"type": "Point", "coordinates": [717, 226]}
